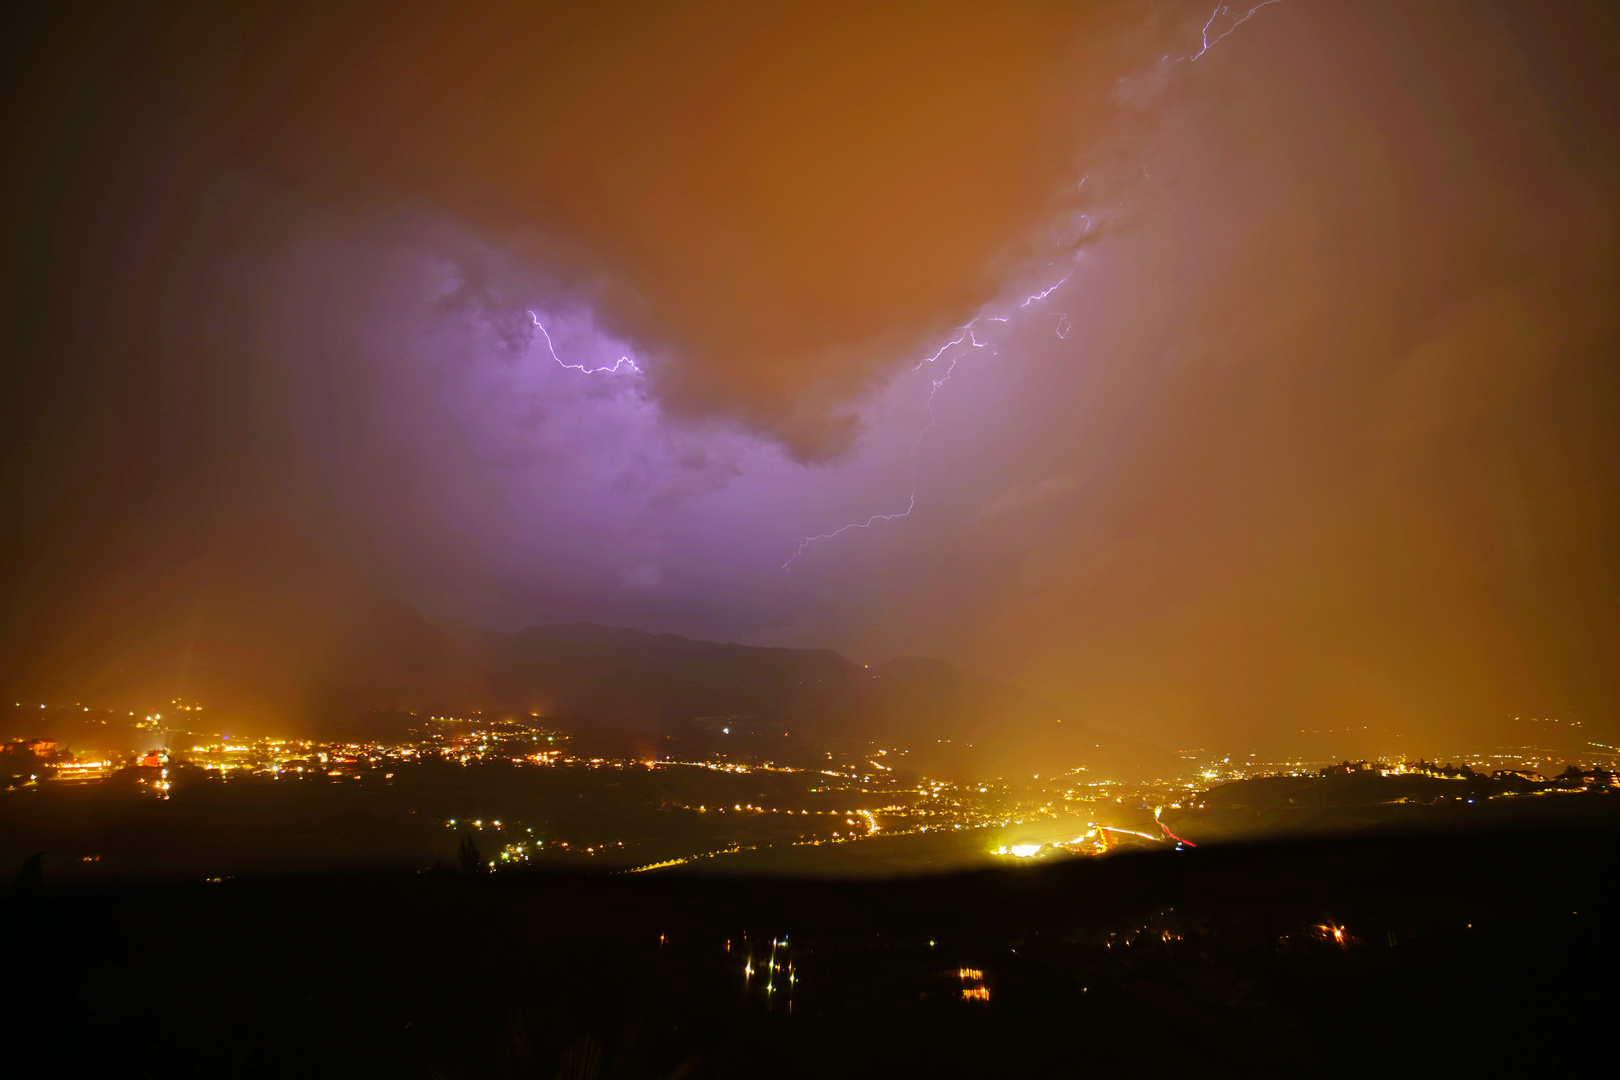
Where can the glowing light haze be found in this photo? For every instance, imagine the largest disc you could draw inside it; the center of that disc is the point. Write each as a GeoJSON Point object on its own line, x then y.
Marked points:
{"type": "Point", "coordinates": [1211, 371]}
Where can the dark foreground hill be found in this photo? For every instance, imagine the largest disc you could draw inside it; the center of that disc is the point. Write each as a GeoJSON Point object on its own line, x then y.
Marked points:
{"type": "Point", "coordinates": [1464, 954]}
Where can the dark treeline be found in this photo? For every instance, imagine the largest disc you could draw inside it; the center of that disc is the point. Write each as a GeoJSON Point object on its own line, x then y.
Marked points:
{"type": "Point", "coordinates": [1459, 953]}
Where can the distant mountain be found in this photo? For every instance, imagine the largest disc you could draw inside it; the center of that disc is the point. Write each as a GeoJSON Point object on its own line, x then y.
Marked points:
{"type": "Point", "coordinates": [240, 614]}
{"type": "Point", "coordinates": [587, 676]}
{"type": "Point", "coordinates": [274, 633]}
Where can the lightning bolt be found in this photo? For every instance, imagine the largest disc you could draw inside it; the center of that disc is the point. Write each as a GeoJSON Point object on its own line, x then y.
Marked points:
{"type": "Point", "coordinates": [623, 361]}
{"type": "Point", "coordinates": [965, 335]}
{"type": "Point", "coordinates": [1225, 9]}
{"type": "Point", "coordinates": [1063, 316]}
{"type": "Point", "coordinates": [1046, 292]}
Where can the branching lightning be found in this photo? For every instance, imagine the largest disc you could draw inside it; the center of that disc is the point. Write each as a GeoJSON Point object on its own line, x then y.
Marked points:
{"type": "Point", "coordinates": [623, 361]}
{"type": "Point", "coordinates": [1062, 328]}
{"type": "Point", "coordinates": [1043, 294]}
{"type": "Point", "coordinates": [1225, 9]}
{"type": "Point", "coordinates": [966, 333]}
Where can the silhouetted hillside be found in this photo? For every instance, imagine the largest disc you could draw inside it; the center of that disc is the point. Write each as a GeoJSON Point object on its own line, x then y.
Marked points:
{"type": "Point", "coordinates": [237, 612]}
{"type": "Point", "coordinates": [586, 675]}
{"type": "Point", "coordinates": [277, 633]}
{"type": "Point", "coordinates": [1403, 956]}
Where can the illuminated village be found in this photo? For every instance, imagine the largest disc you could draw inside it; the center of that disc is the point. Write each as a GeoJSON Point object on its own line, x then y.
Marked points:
{"type": "Point", "coordinates": [729, 808]}
{"type": "Point", "coordinates": [709, 540]}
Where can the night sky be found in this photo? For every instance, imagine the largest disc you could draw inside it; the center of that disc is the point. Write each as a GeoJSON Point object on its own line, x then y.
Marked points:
{"type": "Point", "coordinates": [1212, 377]}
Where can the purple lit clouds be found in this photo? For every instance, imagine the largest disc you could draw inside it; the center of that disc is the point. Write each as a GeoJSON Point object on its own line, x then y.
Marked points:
{"type": "Point", "coordinates": [573, 481]}
{"type": "Point", "coordinates": [1281, 396]}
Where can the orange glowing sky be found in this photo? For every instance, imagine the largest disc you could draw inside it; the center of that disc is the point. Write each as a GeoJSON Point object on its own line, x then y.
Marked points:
{"type": "Point", "coordinates": [1320, 430]}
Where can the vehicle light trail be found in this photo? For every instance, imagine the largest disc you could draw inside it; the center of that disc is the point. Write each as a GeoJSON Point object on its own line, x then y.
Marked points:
{"type": "Point", "coordinates": [1167, 832]}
